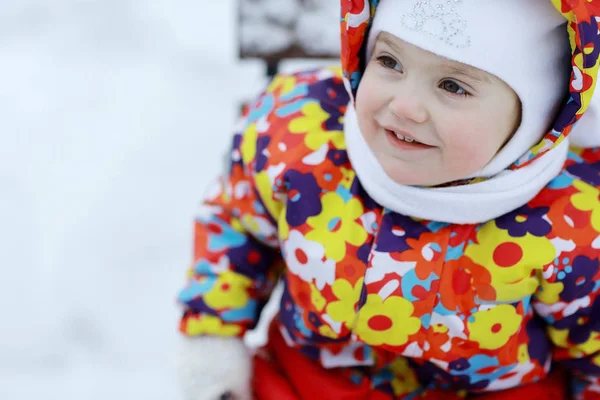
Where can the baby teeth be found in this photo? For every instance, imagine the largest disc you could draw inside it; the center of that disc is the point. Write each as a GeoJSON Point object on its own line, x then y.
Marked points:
{"type": "Point", "coordinates": [408, 140]}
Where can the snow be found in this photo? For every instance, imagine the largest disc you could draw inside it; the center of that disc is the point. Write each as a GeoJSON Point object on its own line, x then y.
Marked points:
{"type": "Point", "coordinates": [114, 117]}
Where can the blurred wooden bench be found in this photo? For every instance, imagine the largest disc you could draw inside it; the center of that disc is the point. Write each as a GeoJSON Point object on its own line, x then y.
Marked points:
{"type": "Point", "coordinates": [274, 60]}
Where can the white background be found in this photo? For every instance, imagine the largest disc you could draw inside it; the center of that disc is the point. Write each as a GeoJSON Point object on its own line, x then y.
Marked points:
{"type": "Point", "coordinates": [113, 118]}
{"type": "Point", "coordinates": [114, 115]}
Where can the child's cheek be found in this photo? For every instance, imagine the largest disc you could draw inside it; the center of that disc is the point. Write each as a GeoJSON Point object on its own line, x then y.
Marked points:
{"type": "Point", "coordinates": [370, 88]}
{"type": "Point", "coordinates": [468, 154]}
{"type": "Point", "coordinates": [366, 108]}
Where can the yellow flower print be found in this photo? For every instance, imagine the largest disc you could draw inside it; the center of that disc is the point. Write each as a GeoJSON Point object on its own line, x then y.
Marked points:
{"type": "Point", "coordinates": [386, 322]}
{"type": "Point", "coordinates": [348, 176]}
{"type": "Point", "coordinates": [336, 225]}
{"type": "Point", "coordinates": [248, 223]}
{"type": "Point", "coordinates": [549, 293]}
{"type": "Point", "coordinates": [494, 327]}
{"type": "Point", "coordinates": [587, 200]}
{"type": "Point", "coordinates": [317, 298]}
{"type": "Point", "coordinates": [237, 225]}
{"type": "Point", "coordinates": [286, 83]}
{"type": "Point", "coordinates": [405, 380]}
{"type": "Point", "coordinates": [210, 325]}
{"type": "Point", "coordinates": [511, 260]}
{"type": "Point", "coordinates": [539, 147]}
{"type": "Point", "coordinates": [523, 354]}
{"type": "Point", "coordinates": [336, 71]}
{"type": "Point", "coordinates": [344, 310]}
{"type": "Point", "coordinates": [230, 290]}
{"type": "Point", "coordinates": [325, 330]}
{"type": "Point", "coordinates": [264, 186]}
{"type": "Point", "coordinates": [248, 145]}
{"type": "Point", "coordinates": [283, 227]}
{"type": "Point", "coordinates": [440, 328]}
{"type": "Point", "coordinates": [560, 337]}
{"type": "Point", "coordinates": [312, 126]}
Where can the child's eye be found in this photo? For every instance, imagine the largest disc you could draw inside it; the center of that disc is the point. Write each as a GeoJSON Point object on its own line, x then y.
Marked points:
{"type": "Point", "coordinates": [389, 62]}
{"type": "Point", "coordinates": [454, 88]}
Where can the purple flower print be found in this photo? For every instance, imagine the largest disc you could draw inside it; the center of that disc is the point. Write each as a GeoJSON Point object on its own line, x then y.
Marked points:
{"type": "Point", "coordinates": [589, 173]}
{"type": "Point", "coordinates": [337, 157]}
{"type": "Point", "coordinates": [332, 97]}
{"type": "Point", "coordinates": [582, 324]}
{"type": "Point", "coordinates": [588, 31]}
{"type": "Point", "coordinates": [303, 197]}
{"type": "Point", "coordinates": [525, 220]}
{"type": "Point", "coordinates": [261, 158]}
{"type": "Point", "coordinates": [567, 115]}
{"type": "Point", "coordinates": [394, 231]}
{"type": "Point", "coordinates": [580, 280]}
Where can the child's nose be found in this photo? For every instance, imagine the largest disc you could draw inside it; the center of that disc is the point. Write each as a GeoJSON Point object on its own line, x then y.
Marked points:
{"type": "Point", "coordinates": [409, 106]}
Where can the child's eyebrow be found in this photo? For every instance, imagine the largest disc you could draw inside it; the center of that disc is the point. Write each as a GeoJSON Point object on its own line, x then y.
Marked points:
{"type": "Point", "coordinates": [466, 71]}
{"type": "Point", "coordinates": [383, 37]}
{"type": "Point", "coordinates": [463, 70]}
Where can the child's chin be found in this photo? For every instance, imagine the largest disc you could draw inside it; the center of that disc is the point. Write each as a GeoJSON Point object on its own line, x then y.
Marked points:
{"type": "Point", "coordinates": [405, 175]}
{"type": "Point", "coordinates": [411, 178]}
{"type": "Point", "coordinates": [410, 181]}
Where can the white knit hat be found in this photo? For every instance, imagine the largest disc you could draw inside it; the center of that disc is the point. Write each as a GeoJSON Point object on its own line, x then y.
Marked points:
{"type": "Point", "coordinates": [522, 42]}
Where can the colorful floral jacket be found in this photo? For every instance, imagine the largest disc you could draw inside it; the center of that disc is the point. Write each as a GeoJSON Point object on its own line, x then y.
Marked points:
{"type": "Point", "coordinates": [423, 304]}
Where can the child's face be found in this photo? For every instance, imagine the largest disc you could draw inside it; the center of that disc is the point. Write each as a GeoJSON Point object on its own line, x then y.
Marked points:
{"type": "Point", "coordinates": [457, 116]}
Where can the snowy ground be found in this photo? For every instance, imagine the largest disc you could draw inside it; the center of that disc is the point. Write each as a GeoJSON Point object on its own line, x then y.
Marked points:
{"type": "Point", "coordinates": [114, 115]}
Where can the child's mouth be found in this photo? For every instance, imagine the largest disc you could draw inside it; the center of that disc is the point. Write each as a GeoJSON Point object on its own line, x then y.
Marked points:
{"type": "Point", "coordinates": [405, 143]}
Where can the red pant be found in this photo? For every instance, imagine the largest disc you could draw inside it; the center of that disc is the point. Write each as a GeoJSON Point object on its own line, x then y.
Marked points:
{"type": "Point", "coordinates": [286, 374]}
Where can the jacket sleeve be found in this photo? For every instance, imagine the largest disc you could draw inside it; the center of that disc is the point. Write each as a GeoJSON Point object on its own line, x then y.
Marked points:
{"type": "Point", "coordinates": [568, 299]}
{"type": "Point", "coordinates": [236, 260]}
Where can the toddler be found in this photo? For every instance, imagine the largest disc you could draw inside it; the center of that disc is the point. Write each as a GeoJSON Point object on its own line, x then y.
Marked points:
{"type": "Point", "coordinates": [435, 234]}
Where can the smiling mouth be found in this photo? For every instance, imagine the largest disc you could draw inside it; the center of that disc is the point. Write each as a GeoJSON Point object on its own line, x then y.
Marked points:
{"type": "Point", "coordinates": [406, 139]}
{"type": "Point", "coordinates": [401, 139]}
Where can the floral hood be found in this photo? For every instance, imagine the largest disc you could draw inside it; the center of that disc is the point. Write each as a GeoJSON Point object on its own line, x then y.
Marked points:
{"type": "Point", "coordinates": [583, 18]}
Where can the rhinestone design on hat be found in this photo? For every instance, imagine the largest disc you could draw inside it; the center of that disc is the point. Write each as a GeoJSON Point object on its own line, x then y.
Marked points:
{"type": "Point", "coordinates": [439, 19]}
